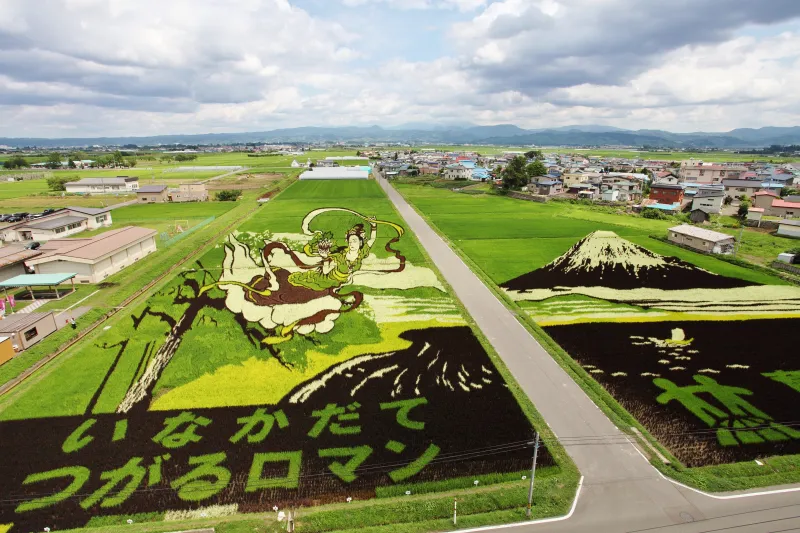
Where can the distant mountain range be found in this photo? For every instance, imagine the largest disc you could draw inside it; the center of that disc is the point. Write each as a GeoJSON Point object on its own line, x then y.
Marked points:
{"type": "Point", "coordinates": [605, 259]}
{"type": "Point", "coordinates": [422, 133]}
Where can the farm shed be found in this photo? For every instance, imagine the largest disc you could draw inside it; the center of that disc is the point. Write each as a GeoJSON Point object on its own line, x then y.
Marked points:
{"type": "Point", "coordinates": [335, 173]}
{"type": "Point", "coordinates": [701, 239]}
{"type": "Point", "coordinates": [39, 280]}
{"type": "Point", "coordinates": [26, 329]}
{"type": "Point", "coordinates": [96, 258]}
{"type": "Point", "coordinates": [152, 194]}
{"type": "Point", "coordinates": [789, 228]}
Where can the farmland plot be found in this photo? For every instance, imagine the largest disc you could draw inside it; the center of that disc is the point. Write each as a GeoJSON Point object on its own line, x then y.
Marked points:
{"type": "Point", "coordinates": [701, 352]}
{"type": "Point", "coordinates": [310, 356]}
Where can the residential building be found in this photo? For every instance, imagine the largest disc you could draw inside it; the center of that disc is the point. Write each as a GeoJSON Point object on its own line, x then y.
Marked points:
{"type": "Point", "coordinates": [480, 174]}
{"type": "Point", "coordinates": [118, 185]}
{"type": "Point", "coordinates": [701, 239]}
{"type": "Point", "coordinates": [709, 200]}
{"type": "Point", "coordinates": [782, 208]}
{"type": "Point", "coordinates": [764, 199]}
{"type": "Point", "coordinates": [189, 192]}
{"type": "Point", "coordinates": [6, 349]}
{"type": "Point", "coordinates": [95, 258]}
{"type": "Point", "coordinates": [666, 193]}
{"type": "Point", "coordinates": [736, 188]}
{"type": "Point", "coordinates": [152, 194]}
{"type": "Point", "coordinates": [545, 186]}
{"type": "Point", "coordinates": [697, 171]}
{"type": "Point", "coordinates": [62, 223]}
{"type": "Point", "coordinates": [26, 329]}
{"type": "Point", "coordinates": [12, 260]}
{"type": "Point", "coordinates": [789, 228]}
{"type": "Point", "coordinates": [457, 171]}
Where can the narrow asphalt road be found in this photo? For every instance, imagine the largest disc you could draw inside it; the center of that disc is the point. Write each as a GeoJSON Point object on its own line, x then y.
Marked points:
{"type": "Point", "coordinates": [621, 490]}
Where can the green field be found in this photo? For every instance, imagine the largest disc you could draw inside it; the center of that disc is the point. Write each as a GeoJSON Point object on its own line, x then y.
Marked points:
{"type": "Point", "coordinates": [570, 272]}
{"type": "Point", "coordinates": [258, 323]}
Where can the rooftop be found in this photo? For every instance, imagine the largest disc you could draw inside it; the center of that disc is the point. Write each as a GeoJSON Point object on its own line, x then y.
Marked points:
{"type": "Point", "coordinates": [665, 186]}
{"type": "Point", "coordinates": [90, 210]}
{"type": "Point", "coordinates": [20, 321]}
{"type": "Point", "coordinates": [784, 203]}
{"type": "Point", "coordinates": [34, 280]}
{"type": "Point", "coordinates": [787, 222]}
{"type": "Point", "coordinates": [15, 253]}
{"type": "Point", "coordinates": [151, 188]}
{"type": "Point", "coordinates": [101, 181]}
{"type": "Point", "coordinates": [700, 233]}
{"type": "Point", "coordinates": [95, 247]}
{"type": "Point", "coordinates": [54, 223]}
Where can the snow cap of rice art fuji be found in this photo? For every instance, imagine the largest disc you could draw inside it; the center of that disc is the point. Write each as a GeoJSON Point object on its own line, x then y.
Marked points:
{"type": "Point", "coordinates": [280, 369]}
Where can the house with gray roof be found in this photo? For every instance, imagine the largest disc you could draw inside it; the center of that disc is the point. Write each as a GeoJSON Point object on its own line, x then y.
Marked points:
{"type": "Point", "coordinates": [62, 223]}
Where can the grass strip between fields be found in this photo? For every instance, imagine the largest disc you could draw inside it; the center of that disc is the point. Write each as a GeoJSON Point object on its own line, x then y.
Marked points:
{"type": "Point", "coordinates": [777, 470]}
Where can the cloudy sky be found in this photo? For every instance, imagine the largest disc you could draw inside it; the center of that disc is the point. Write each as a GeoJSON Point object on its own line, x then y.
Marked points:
{"type": "Point", "coordinates": [144, 67]}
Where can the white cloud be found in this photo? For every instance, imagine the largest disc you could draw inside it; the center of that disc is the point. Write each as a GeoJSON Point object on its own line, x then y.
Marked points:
{"type": "Point", "coordinates": [149, 67]}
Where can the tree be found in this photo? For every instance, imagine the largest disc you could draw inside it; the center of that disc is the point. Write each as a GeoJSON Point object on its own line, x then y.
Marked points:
{"type": "Point", "coordinates": [515, 175]}
{"type": "Point", "coordinates": [117, 159]}
{"type": "Point", "coordinates": [166, 158]}
{"type": "Point", "coordinates": [536, 168]}
{"type": "Point", "coordinates": [744, 208]}
{"type": "Point", "coordinates": [58, 183]}
{"type": "Point", "coordinates": [227, 196]}
{"type": "Point", "coordinates": [533, 154]}
{"type": "Point", "coordinates": [16, 161]}
{"type": "Point", "coordinates": [78, 156]}
{"type": "Point", "coordinates": [53, 160]}
{"type": "Point", "coordinates": [728, 200]}
{"type": "Point", "coordinates": [71, 164]}
{"type": "Point", "coordinates": [789, 191]}
{"type": "Point", "coordinates": [131, 162]}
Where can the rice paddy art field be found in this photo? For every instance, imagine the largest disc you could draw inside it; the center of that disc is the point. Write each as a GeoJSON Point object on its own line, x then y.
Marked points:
{"type": "Point", "coordinates": [313, 355]}
{"type": "Point", "coordinates": [703, 353]}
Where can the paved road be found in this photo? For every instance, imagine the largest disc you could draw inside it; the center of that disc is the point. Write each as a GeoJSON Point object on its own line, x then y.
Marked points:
{"type": "Point", "coordinates": [622, 491]}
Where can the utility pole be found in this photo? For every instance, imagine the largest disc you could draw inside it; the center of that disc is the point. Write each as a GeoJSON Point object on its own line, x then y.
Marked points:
{"type": "Point", "coordinates": [738, 242]}
{"type": "Point", "coordinates": [533, 475]}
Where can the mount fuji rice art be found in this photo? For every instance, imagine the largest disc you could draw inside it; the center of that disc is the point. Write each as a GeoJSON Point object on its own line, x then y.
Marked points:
{"type": "Point", "coordinates": [707, 363]}
{"type": "Point", "coordinates": [280, 369]}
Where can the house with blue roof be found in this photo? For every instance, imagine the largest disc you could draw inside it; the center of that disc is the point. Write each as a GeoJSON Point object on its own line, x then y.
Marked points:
{"type": "Point", "coordinates": [480, 174]}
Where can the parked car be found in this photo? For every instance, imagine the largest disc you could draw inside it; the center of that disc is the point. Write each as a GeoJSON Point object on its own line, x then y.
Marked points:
{"type": "Point", "coordinates": [4, 218]}
{"type": "Point", "coordinates": [13, 218]}
{"type": "Point", "coordinates": [33, 245]}
{"type": "Point", "coordinates": [20, 215]}
{"type": "Point", "coordinates": [48, 211]}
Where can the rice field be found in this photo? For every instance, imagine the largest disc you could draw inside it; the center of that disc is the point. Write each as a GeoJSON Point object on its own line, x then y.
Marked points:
{"type": "Point", "coordinates": [700, 351]}
{"type": "Point", "coordinates": [311, 355]}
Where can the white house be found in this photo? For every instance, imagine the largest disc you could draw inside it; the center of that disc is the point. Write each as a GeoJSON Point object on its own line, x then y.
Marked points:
{"type": "Point", "coordinates": [709, 200]}
{"type": "Point", "coordinates": [701, 239]}
{"type": "Point", "coordinates": [118, 185]}
{"type": "Point", "coordinates": [457, 171]}
{"type": "Point", "coordinates": [98, 257]}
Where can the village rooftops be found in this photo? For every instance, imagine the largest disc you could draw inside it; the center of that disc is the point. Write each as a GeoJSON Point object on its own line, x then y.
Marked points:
{"type": "Point", "coordinates": [665, 186]}
{"type": "Point", "coordinates": [766, 193]}
{"type": "Point", "coordinates": [700, 233]}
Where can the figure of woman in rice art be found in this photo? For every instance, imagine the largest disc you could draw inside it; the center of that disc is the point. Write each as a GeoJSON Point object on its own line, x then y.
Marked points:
{"type": "Point", "coordinates": [299, 292]}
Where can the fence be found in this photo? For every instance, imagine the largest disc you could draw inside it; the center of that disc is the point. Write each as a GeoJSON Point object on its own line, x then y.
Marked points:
{"type": "Point", "coordinates": [179, 236]}
{"type": "Point", "coordinates": [787, 267]}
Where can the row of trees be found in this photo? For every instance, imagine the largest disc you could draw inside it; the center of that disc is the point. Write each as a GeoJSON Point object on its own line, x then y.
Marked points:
{"type": "Point", "coordinates": [168, 158]}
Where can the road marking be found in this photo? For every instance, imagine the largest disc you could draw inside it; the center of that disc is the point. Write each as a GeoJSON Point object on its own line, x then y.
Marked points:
{"type": "Point", "coordinates": [80, 301]}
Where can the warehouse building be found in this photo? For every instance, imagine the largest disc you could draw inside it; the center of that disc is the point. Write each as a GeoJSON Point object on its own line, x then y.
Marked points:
{"type": "Point", "coordinates": [335, 173]}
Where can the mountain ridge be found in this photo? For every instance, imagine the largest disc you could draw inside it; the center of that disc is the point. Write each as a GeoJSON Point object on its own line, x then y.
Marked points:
{"type": "Point", "coordinates": [501, 134]}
